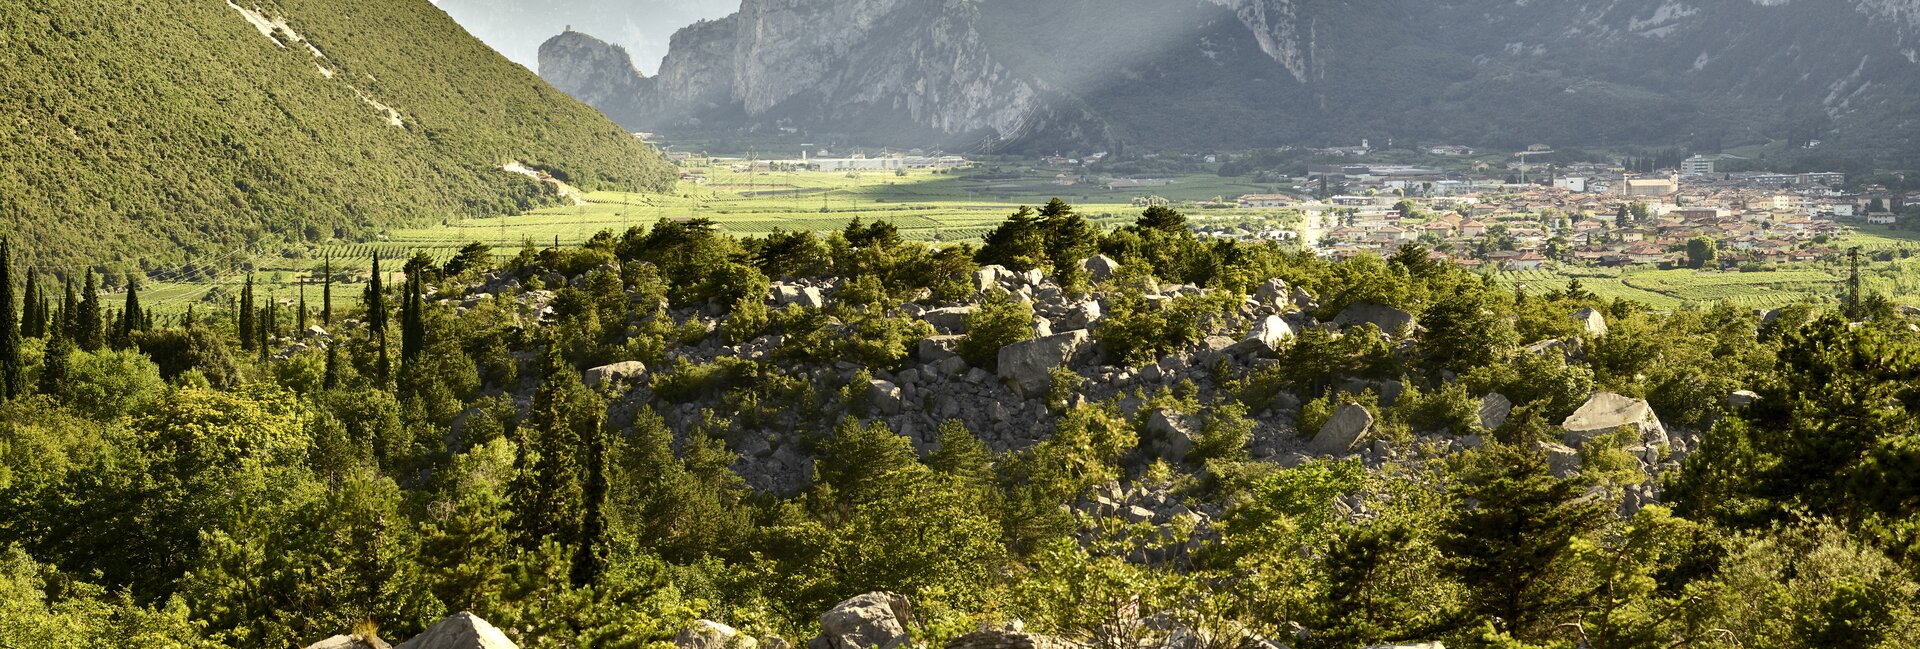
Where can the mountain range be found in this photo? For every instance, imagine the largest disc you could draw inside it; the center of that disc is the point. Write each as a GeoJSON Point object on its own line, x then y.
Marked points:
{"type": "Point", "coordinates": [147, 133]}
{"type": "Point", "coordinates": [1043, 75]}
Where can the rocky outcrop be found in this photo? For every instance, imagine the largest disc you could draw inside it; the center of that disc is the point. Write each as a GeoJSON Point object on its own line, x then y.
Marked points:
{"type": "Point", "coordinates": [1027, 366]}
{"type": "Point", "coordinates": [1606, 412]}
{"type": "Point", "coordinates": [1388, 319]}
{"type": "Point", "coordinates": [990, 73]}
{"type": "Point", "coordinates": [870, 621]}
{"type": "Point", "coordinates": [1591, 322]}
{"type": "Point", "coordinates": [596, 72]}
{"type": "Point", "coordinates": [460, 631]}
{"type": "Point", "coordinates": [355, 641]}
{"type": "Point", "coordinates": [708, 634]}
{"type": "Point", "coordinates": [607, 375]}
{"type": "Point", "coordinates": [918, 71]}
{"type": "Point", "coordinates": [1344, 431]}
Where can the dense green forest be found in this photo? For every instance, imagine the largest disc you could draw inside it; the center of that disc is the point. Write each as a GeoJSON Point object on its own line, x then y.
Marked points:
{"type": "Point", "coordinates": [1137, 437]}
{"type": "Point", "coordinates": [144, 134]}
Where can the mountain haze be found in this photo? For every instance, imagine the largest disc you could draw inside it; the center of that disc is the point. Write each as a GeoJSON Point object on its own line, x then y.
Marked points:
{"type": "Point", "coordinates": [151, 132]}
{"type": "Point", "coordinates": [1044, 74]}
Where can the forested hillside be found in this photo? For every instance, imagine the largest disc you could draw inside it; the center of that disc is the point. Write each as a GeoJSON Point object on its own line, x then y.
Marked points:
{"type": "Point", "coordinates": [145, 133]}
{"type": "Point", "coordinates": [1068, 437]}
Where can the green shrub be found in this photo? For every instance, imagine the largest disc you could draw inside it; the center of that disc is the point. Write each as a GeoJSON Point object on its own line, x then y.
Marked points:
{"type": "Point", "coordinates": [1000, 321]}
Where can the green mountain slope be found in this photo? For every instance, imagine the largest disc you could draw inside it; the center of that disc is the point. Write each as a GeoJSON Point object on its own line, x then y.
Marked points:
{"type": "Point", "coordinates": [144, 133]}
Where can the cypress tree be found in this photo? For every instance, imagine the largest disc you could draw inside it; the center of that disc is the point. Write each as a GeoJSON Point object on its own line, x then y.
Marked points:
{"type": "Point", "coordinates": [90, 324]}
{"type": "Point", "coordinates": [30, 318]}
{"type": "Point", "coordinates": [69, 306]}
{"type": "Point", "coordinates": [326, 294]}
{"type": "Point", "coordinates": [413, 334]}
{"type": "Point", "coordinates": [132, 317]}
{"type": "Point", "coordinates": [265, 322]}
{"type": "Point", "coordinates": [300, 319]}
{"type": "Point", "coordinates": [589, 560]}
{"type": "Point", "coordinates": [246, 314]}
{"type": "Point", "coordinates": [12, 369]}
{"type": "Point", "coordinates": [54, 368]}
{"type": "Point", "coordinates": [376, 301]}
{"type": "Point", "coordinates": [332, 379]}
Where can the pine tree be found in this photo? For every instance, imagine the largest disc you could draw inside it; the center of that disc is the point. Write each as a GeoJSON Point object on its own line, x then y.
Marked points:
{"type": "Point", "coordinates": [246, 314]}
{"type": "Point", "coordinates": [546, 491]}
{"type": "Point", "coordinates": [89, 324]}
{"type": "Point", "coordinates": [12, 369]}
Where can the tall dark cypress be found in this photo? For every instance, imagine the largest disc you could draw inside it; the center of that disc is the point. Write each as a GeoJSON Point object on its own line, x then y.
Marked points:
{"type": "Point", "coordinates": [54, 366]}
{"type": "Point", "coordinates": [413, 334]}
{"type": "Point", "coordinates": [90, 323]}
{"type": "Point", "coordinates": [590, 559]}
{"type": "Point", "coordinates": [69, 306]}
{"type": "Point", "coordinates": [132, 317]}
{"type": "Point", "coordinates": [300, 319]}
{"type": "Point", "coordinates": [246, 314]}
{"type": "Point", "coordinates": [332, 379]}
{"type": "Point", "coordinates": [12, 369]}
{"type": "Point", "coordinates": [376, 301]}
{"type": "Point", "coordinates": [326, 294]}
{"type": "Point", "coordinates": [30, 318]}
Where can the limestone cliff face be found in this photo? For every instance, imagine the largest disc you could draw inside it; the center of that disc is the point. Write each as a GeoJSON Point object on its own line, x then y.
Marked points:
{"type": "Point", "coordinates": [595, 72]}
{"type": "Point", "coordinates": [909, 70]}
{"type": "Point", "coordinates": [1089, 74]}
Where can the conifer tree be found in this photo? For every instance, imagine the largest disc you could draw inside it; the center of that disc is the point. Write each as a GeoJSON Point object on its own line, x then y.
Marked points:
{"type": "Point", "coordinates": [54, 367]}
{"type": "Point", "coordinates": [246, 314]}
{"type": "Point", "coordinates": [326, 294]}
{"type": "Point", "coordinates": [332, 378]}
{"type": "Point", "coordinates": [12, 369]}
{"type": "Point", "coordinates": [89, 323]}
{"type": "Point", "coordinates": [590, 560]}
{"type": "Point", "coordinates": [31, 321]}
{"type": "Point", "coordinates": [413, 334]}
{"type": "Point", "coordinates": [300, 318]}
{"type": "Point", "coordinates": [69, 306]}
{"type": "Point", "coordinates": [546, 493]}
{"type": "Point", "coordinates": [132, 317]}
{"type": "Point", "coordinates": [376, 301]}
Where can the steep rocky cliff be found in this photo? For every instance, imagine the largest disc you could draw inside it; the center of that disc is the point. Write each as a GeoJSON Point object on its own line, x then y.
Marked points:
{"type": "Point", "coordinates": [1209, 73]}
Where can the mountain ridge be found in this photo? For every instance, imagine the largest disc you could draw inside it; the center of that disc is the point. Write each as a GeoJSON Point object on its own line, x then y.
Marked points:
{"type": "Point", "coordinates": [1273, 72]}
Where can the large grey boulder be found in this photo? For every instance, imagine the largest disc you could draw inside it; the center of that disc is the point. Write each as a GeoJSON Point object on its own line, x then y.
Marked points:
{"type": "Point", "coordinates": [1591, 322]}
{"type": "Point", "coordinates": [807, 296]}
{"type": "Point", "coordinates": [355, 641]}
{"type": "Point", "coordinates": [1026, 365]}
{"type": "Point", "coordinates": [1606, 412]}
{"type": "Point", "coordinates": [708, 634]}
{"type": "Point", "coordinates": [1742, 398]}
{"type": "Point", "coordinates": [1343, 432]}
{"type": "Point", "coordinates": [460, 631]}
{"type": "Point", "coordinates": [934, 349]}
{"type": "Point", "coordinates": [1267, 336]}
{"type": "Point", "coordinates": [1010, 639]}
{"type": "Point", "coordinates": [1494, 409]}
{"type": "Point", "coordinates": [870, 621]}
{"type": "Point", "coordinates": [1388, 319]}
{"type": "Point", "coordinates": [606, 375]}
{"type": "Point", "coordinates": [1100, 267]}
{"type": "Point", "coordinates": [1562, 460]}
{"type": "Point", "coordinates": [884, 396]}
{"type": "Point", "coordinates": [949, 320]}
{"type": "Point", "coordinates": [990, 276]}
{"type": "Point", "coordinates": [1273, 293]}
{"type": "Point", "coordinates": [1172, 434]}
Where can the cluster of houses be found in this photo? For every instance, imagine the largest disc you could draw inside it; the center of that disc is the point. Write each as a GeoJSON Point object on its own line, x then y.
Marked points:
{"type": "Point", "coordinates": [1525, 227]}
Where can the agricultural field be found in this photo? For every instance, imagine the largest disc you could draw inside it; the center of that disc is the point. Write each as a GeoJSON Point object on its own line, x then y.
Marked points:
{"type": "Point", "coordinates": [938, 206]}
{"type": "Point", "coordinates": [1678, 288]}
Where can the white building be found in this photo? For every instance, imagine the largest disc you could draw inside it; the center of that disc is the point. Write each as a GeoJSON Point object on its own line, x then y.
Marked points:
{"type": "Point", "coordinates": [1575, 185]}
{"type": "Point", "coordinates": [1700, 165]}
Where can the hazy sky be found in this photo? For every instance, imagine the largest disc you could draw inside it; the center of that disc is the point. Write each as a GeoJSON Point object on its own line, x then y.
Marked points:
{"type": "Point", "coordinates": [517, 27]}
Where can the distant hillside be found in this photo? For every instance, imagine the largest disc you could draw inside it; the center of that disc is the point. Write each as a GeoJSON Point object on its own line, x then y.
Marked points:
{"type": "Point", "coordinates": [1202, 74]}
{"type": "Point", "coordinates": [151, 132]}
